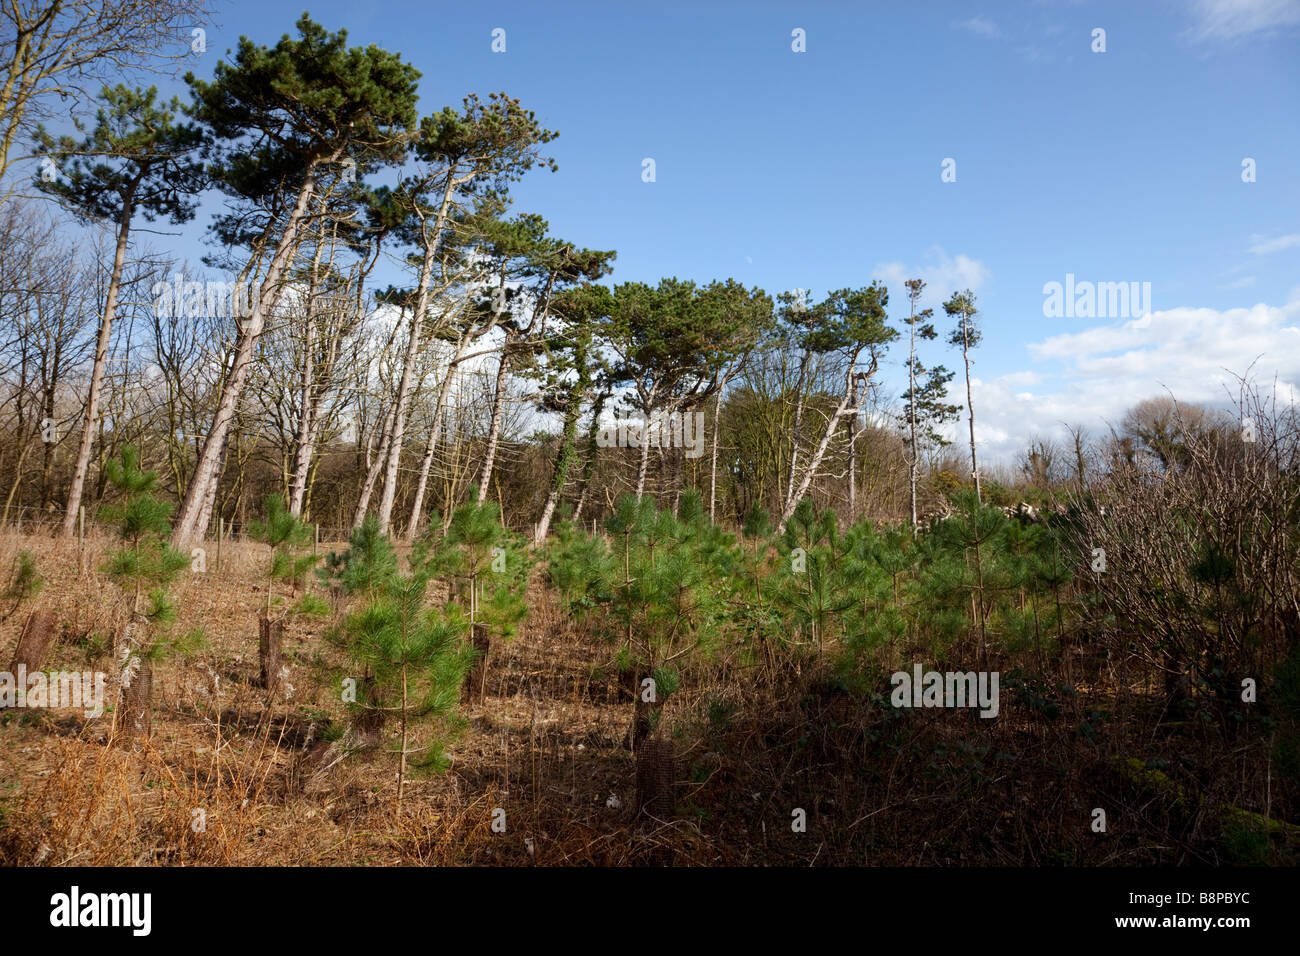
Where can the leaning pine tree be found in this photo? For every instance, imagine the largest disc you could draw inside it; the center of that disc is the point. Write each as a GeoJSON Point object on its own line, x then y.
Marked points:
{"type": "Point", "coordinates": [138, 161]}
{"type": "Point", "coordinates": [286, 115]}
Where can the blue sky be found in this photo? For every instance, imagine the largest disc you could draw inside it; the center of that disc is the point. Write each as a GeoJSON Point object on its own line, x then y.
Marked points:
{"type": "Point", "coordinates": [822, 169]}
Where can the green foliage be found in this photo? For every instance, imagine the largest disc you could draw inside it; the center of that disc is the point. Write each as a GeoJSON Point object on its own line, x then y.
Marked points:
{"type": "Point", "coordinates": [661, 582]}
{"type": "Point", "coordinates": [144, 521]}
{"type": "Point", "coordinates": [809, 586]}
{"type": "Point", "coordinates": [366, 567]}
{"type": "Point", "coordinates": [757, 522]}
{"type": "Point", "coordinates": [309, 605]}
{"type": "Point", "coordinates": [146, 564]}
{"type": "Point", "coordinates": [417, 657]}
{"type": "Point", "coordinates": [193, 641]}
{"type": "Point", "coordinates": [490, 561]}
{"type": "Point", "coordinates": [966, 334]}
{"type": "Point", "coordinates": [137, 159]}
{"type": "Point", "coordinates": [25, 582]}
{"type": "Point", "coordinates": [279, 111]}
{"type": "Point", "coordinates": [287, 535]}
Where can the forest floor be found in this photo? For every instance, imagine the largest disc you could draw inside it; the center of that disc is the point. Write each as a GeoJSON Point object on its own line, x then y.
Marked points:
{"type": "Point", "coordinates": [230, 777]}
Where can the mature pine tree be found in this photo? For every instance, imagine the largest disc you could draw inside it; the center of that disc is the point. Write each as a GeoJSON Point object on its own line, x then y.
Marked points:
{"type": "Point", "coordinates": [750, 319]}
{"type": "Point", "coordinates": [570, 372]}
{"type": "Point", "coordinates": [547, 266]}
{"type": "Point", "coordinates": [286, 114]}
{"type": "Point", "coordinates": [670, 344]}
{"type": "Point", "coordinates": [481, 150]}
{"type": "Point", "coordinates": [851, 323]}
{"type": "Point", "coordinates": [924, 408]}
{"type": "Point", "coordinates": [967, 335]}
{"type": "Point", "coordinates": [137, 161]}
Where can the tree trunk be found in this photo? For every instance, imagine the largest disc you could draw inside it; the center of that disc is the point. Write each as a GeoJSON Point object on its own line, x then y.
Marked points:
{"type": "Point", "coordinates": [974, 464]}
{"type": "Point", "coordinates": [137, 709]}
{"type": "Point", "coordinates": [853, 454]}
{"type": "Point", "coordinates": [473, 690]}
{"type": "Point", "coordinates": [498, 412]}
{"type": "Point", "coordinates": [563, 462]}
{"type": "Point", "coordinates": [408, 363]}
{"type": "Point", "coordinates": [798, 422]}
{"type": "Point", "coordinates": [206, 474]}
{"type": "Point", "coordinates": [810, 471]}
{"type": "Point", "coordinates": [269, 633]}
{"type": "Point", "coordinates": [376, 466]}
{"type": "Point", "coordinates": [397, 433]}
{"type": "Point", "coordinates": [210, 499]}
{"type": "Point", "coordinates": [644, 466]}
{"type": "Point", "coordinates": [369, 724]}
{"type": "Point", "coordinates": [91, 420]}
{"type": "Point", "coordinates": [422, 486]}
{"type": "Point", "coordinates": [915, 458]}
{"type": "Point", "coordinates": [593, 451]}
{"type": "Point", "coordinates": [656, 778]}
{"type": "Point", "coordinates": [305, 446]}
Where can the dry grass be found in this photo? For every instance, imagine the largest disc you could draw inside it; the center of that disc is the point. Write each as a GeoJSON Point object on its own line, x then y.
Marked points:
{"type": "Point", "coordinates": [548, 747]}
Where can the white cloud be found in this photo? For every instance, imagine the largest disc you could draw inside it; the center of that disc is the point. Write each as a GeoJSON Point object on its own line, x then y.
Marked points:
{"type": "Point", "coordinates": [1262, 247]}
{"type": "Point", "coordinates": [1023, 378]}
{"type": "Point", "coordinates": [1101, 372]}
{"type": "Point", "coordinates": [1230, 19]}
{"type": "Point", "coordinates": [943, 275]}
{"type": "Point", "coordinates": [1239, 283]}
{"type": "Point", "coordinates": [980, 26]}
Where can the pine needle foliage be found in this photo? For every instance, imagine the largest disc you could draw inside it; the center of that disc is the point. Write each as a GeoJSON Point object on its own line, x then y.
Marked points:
{"type": "Point", "coordinates": [25, 582]}
{"type": "Point", "coordinates": [489, 561]}
{"type": "Point", "coordinates": [418, 658]}
{"type": "Point", "coordinates": [145, 565]}
{"type": "Point", "coordinates": [365, 568]}
{"type": "Point", "coordinates": [660, 582]}
{"type": "Point", "coordinates": [287, 536]}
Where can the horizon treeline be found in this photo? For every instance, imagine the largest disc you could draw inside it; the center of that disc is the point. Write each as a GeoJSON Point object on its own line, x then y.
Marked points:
{"type": "Point", "coordinates": [499, 360]}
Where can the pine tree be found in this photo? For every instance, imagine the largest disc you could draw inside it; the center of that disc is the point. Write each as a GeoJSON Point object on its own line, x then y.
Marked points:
{"type": "Point", "coordinates": [491, 566]}
{"type": "Point", "coordinates": [25, 582]}
{"type": "Point", "coordinates": [361, 575]}
{"type": "Point", "coordinates": [137, 161]}
{"type": "Point", "coordinates": [417, 659]}
{"type": "Point", "coordinates": [849, 323]}
{"type": "Point", "coordinates": [657, 585]}
{"type": "Point", "coordinates": [924, 409]}
{"type": "Point", "coordinates": [287, 535]}
{"type": "Point", "coordinates": [285, 115]}
{"type": "Point", "coordinates": [144, 567]}
{"type": "Point", "coordinates": [811, 583]}
{"type": "Point", "coordinates": [967, 335]}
